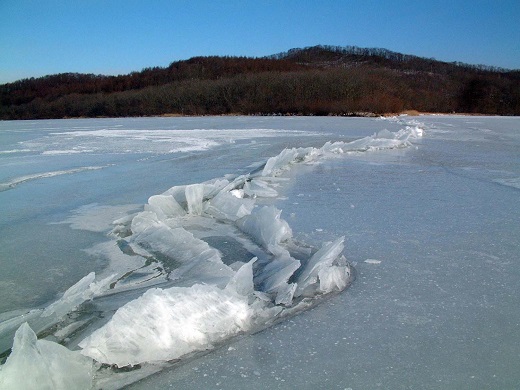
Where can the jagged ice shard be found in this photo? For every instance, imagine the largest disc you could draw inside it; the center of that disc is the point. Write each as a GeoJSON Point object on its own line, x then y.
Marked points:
{"type": "Point", "coordinates": [41, 364]}
{"type": "Point", "coordinates": [197, 295]}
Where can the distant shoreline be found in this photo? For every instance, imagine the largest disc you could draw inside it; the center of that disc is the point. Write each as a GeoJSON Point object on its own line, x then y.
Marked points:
{"type": "Point", "coordinates": [314, 81]}
{"type": "Point", "coordinates": [411, 113]}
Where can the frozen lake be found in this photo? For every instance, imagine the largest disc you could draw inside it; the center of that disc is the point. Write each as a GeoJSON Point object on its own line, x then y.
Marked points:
{"type": "Point", "coordinates": [430, 225]}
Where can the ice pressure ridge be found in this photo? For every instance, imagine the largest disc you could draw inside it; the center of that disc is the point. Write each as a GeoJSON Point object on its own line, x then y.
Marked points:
{"type": "Point", "coordinates": [219, 299]}
{"type": "Point", "coordinates": [204, 262]}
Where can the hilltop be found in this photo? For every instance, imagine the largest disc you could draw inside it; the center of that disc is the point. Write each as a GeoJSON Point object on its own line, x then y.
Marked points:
{"type": "Point", "coordinates": [318, 80]}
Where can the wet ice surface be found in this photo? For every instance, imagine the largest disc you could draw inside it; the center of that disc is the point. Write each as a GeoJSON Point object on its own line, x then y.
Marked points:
{"type": "Point", "coordinates": [433, 232]}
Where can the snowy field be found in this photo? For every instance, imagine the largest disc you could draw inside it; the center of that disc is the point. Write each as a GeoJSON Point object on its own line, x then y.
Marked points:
{"type": "Point", "coordinates": [260, 252]}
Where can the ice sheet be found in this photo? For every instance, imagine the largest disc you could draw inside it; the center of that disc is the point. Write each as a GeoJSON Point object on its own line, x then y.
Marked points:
{"type": "Point", "coordinates": [73, 297]}
{"type": "Point", "coordinates": [230, 205]}
{"type": "Point", "coordinates": [513, 182]}
{"type": "Point", "coordinates": [96, 218]}
{"type": "Point", "coordinates": [112, 139]}
{"type": "Point", "coordinates": [210, 301]}
{"type": "Point", "coordinates": [439, 272]}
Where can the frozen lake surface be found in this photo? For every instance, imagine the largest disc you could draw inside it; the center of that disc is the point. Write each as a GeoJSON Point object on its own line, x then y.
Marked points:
{"type": "Point", "coordinates": [424, 211]}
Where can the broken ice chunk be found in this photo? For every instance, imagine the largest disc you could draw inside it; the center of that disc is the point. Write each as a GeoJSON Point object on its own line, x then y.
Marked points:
{"type": "Point", "coordinates": [372, 261]}
{"type": "Point", "coordinates": [143, 221]}
{"type": "Point", "coordinates": [166, 324]}
{"type": "Point", "coordinates": [237, 193]}
{"type": "Point", "coordinates": [226, 205]}
{"type": "Point", "coordinates": [267, 228]}
{"type": "Point", "coordinates": [285, 294]}
{"type": "Point", "coordinates": [415, 131]}
{"type": "Point", "coordinates": [276, 164]}
{"type": "Point", "coordinates": [386, 134]}
{"type": "Point", "coordinates": [242, 281]}
{"type": "Point", "coordinates": [194, 196]}
{"type": "Point", "coordinates": [257, 187]}
{"type": "Point", "coordinates": [73, 297]}
{"type": "Point", "coordinates": [276, 273]}
{"type": "Point", "coordinates": [333, 278]}
{"type": "Point", "coordinates": [178, 192]}
{"type": "Point", "coordinates": [40, 364]}
{"type": "Point", "coordinates": [176, 244]}
{"type": "Point", "coordinates": [164, 206]}
{"type": "Point", "coordinates": [213, 187]}
{"type": "Point", "coordinates": [323, 258]}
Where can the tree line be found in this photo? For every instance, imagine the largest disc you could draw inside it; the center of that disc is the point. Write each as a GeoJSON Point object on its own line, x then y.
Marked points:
{"type": "Point", "coordinates": [321, 80]}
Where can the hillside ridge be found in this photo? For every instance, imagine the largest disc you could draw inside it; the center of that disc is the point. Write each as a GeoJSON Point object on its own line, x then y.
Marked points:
{"type": "Point", "coordinates": [317, 80]}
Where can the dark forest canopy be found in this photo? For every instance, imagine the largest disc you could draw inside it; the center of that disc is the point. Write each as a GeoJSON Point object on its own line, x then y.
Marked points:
{"type": "Point", "coordinates": [319, 80]}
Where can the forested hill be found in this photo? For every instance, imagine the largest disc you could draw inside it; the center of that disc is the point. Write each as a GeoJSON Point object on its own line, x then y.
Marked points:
{"type": "Point", "coordinates": [319, 80]}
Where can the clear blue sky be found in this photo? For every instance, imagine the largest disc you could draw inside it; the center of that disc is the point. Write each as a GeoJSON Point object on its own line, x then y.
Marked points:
{"type": "Point", "coordinates": [39, 37]}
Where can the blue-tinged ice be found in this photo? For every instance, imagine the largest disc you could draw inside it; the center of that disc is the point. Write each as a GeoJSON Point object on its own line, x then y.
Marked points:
{"type": "Point", "coordinates": [164, 206]}
{"type": "Point", "coordinates": [194, 197]}
{"type": "Point", "coordinates": [230, 205]}
{"type": "Point", "coordinates": [242, 280]}
{"type": "Point", "coordinates": [40, 364]}
{"type": "Point", "coordinates": [277, 164]}
{"type": "Point", "coordinates": [82, 291]}
{"type": "Point", "coordinates": [261, 188]}
{"type": "Point", "coordinates": [320, 262]}
{"type": "Point", "coordinates": [267, 228]}
{"type": "Point", "coordinates": [333, 278]}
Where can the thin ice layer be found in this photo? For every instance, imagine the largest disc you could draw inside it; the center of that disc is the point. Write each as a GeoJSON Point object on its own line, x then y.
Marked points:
{"type": "Point", "coordinates": [40, 319]}
{"type": "Point", "coordinates": [228, 206]}
{"type": "Point", "coordinates": [180, 253]}
{"type": "Point", "coordinates": [321, 260]}
{"type": "Point", "coordinates": [194, 197]}
{"type": "Point", "coordinates": [82, 291]}
{"type": "Point", "coordinates": [165, 206]}
{"type": "Point", "coordinates": [267, 228]}
{"type": "Point", "coordinates": [260, 188]}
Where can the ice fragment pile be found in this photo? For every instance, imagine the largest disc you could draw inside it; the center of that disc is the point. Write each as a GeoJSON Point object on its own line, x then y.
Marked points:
{"type": "Point", "coordinates": [203, 263]}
